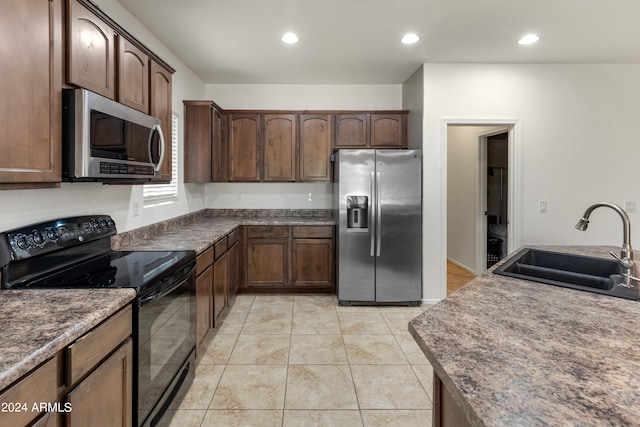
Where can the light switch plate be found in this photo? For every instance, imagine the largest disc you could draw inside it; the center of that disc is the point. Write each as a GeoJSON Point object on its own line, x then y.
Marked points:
{"type": "Point", "coordinates": [543, 206]}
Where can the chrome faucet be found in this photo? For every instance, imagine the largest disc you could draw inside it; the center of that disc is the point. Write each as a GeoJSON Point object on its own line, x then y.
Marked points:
{"type": "Point", "coordinates": [629, 267]}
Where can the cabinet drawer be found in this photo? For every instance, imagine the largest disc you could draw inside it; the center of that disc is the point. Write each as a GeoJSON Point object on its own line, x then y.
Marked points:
{"type": "Point", "coordinates": [221, 247]}
{"type": "Point", "coordinates": [38, 386]}
{"type": "Point", "coordinates": [233, 237]}
{"type": "Point", "coordinates": [267, 231]}
{"type": "Point", "coordinates": [204, 260]}
{"type": "Point", "coordinates": [89, 350]}
{"type": "Point", "coordinates": [312, 232]}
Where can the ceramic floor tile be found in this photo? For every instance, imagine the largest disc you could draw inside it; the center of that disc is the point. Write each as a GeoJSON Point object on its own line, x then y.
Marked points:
{"type": "Point", "coordinates": [243, 418]}
{"type": "Point", "coordinates": [314, 303]}
{"type": "Point", "coordinates": [358, 309]}
{"type": "Point", "coordinates": [261, 350]}
{"type": "Point", "coordinates": [404, 418]}
{"type": "Point", "coordinates": [232, 324]}
{"type": "Point", "coordinates": [316, 323]}
{"type": "Point", "coordinates": [273, 304]}
{"type": "Point", "coordinates": [199, 395]}
{"type": "Point", "coordinates": [425, 375]}
{"type": "Point", "coordinates": [384, 309]}
{"type": "Point", "coordinates": [242, 303]}
{"type": "Point", "coordinates": [251, 387]}
{"type": "Point", "coordinates": [318, 350]}
{"type": "Point", "coordinates": [388, 387]}
{"type": "Point", "coordinates": [183, 418]}
{"type": "Point", "coordinates": [411, 350]}
{"type": "Point", "coordinates": [267, 323]}
{"type": "Point", "coordinates": [374, 349]}
{"type": "Point", "coordinates": [217, 349]}
{"type": "Point", "coordinates": [326, 418]}
{"type": "Point", "coordinates": [363, 324]}
{"type": "Point", "coordinates": [320, 387]}
{"type": "Point", "coordinates": [399, 322]}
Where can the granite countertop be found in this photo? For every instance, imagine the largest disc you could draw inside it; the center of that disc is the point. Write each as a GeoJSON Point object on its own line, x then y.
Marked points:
{"type": "Point", "coordinates": [36, 324]}
{"type": "Point", "coordinates": [200, 233]}
{"type": "Point", "coordinates": [513, 352]}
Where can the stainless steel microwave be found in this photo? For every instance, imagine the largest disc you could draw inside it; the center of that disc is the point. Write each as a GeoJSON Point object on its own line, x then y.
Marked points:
{"type": "Point", "coordinates": [106, 141]}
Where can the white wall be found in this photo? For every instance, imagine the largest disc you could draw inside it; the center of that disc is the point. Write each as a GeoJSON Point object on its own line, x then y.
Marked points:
{"type": "Point", "coordinates": [23, 207]}
{"type": "Point", "coordinates": [578, 144]}
{"type": "Point", "coordinates": [291, 97]}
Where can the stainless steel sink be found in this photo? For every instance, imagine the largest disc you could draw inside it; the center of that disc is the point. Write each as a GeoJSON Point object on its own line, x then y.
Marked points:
{"type": "Point", "coordinates": [579, 272]}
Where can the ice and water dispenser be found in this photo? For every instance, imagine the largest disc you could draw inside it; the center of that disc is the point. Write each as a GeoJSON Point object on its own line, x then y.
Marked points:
{"type": "Point", "coordinates": [357, 213]}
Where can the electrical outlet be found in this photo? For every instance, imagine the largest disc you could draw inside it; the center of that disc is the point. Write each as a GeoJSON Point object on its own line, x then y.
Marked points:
{"type": "Point", "coordinates": [136, 208]}
{"type": "Point", "coordinates": [630, 206]}
{"type": "Point", "coordinates": [543, 206]}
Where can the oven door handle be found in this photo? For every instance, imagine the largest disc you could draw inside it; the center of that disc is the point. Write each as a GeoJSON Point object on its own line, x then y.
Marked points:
{"type": "Point", "coordinates": [172, 288]}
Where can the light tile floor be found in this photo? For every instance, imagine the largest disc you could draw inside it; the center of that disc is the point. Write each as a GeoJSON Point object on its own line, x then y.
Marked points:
{"type": "Point", "coordinates": [303, 360]}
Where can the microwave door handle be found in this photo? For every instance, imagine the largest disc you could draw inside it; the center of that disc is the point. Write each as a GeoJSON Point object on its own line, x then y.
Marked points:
{"type": "Point", "coordinates": [157, 128]}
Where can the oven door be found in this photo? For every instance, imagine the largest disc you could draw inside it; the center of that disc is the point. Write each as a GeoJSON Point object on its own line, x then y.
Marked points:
{"type": "Point", "coordinates": [166, 344]}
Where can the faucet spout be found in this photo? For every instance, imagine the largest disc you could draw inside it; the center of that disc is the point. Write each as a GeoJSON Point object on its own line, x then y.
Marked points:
{"type": "Point", "coordinates": [626, 252]}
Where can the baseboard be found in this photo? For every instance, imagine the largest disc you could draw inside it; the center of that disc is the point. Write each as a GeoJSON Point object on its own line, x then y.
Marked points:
{"type": "Point", "coordinates": [431, 301]}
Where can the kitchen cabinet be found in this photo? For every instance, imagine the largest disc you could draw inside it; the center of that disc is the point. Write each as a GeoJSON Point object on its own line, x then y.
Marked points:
{"type": "Point", "coordinates": [283, 258]}
{"type": "Point", "coordinates": [90, 51]}
{"type": "Point", "coordinates": [446, 412]}
{"type": "Point", "coordinates": [220, 280]}
{"type": "Point", "coordinates": [234, 264]}
{"type": "Point", "coordinates": [371, 130]}
{"type": "Point", "coordinates": [279, 147]}
{"type": "Point", "coordinates": [160, 107]}
{"type": "Point", "coordinates": [30, 116]}
{"type": "Point", "coordinates": [267, 257]}
{"type": "Point", "coordinates": [206, 155]}
{"type": "Point", "coordinates": [133, 76]}
{"type": "Point", "coordinates": [315, 147]}
{"type": "Point", "coordinates": [312, 256]}
{"type": "Point", "coordinates": [245, 147]}
{"type": "Point", "coordinates": [204, 296]}
{"type": "Point", "coordinates": [40, 385]}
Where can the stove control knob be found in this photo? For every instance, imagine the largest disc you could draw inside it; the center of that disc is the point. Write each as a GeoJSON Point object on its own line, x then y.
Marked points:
{"type": "Point", "coordinates": [22, 242]}
{"type": "Point", "coordinates": [103, 224]}
{"type": "Point", "coordinates": [37, 237]}
{"type": "Point", "coordinates": [51, 234]}
{"type": "Point", "coordinates": [110, 223]}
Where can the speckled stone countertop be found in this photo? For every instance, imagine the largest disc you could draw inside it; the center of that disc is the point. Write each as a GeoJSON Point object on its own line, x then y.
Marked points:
{"type": "Point", "coordinates": [199, 231]}
{"type": "Point", "coordinates": [36, 324]}
{"type": "Point", "coordinates": [518, 353]}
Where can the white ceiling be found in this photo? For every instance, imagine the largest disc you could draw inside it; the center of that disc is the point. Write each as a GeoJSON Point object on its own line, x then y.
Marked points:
{"type": "Point", "coordinates": [357, 41]}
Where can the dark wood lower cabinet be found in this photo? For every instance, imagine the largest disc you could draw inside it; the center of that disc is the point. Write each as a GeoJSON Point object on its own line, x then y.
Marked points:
{"type": "Point", "coordinates": [446, 412]}
{"type": "Point", "coordinates": [220, 284]}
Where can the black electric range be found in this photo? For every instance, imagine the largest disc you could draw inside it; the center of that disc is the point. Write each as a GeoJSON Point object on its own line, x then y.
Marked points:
{"type": "Point", "coordinates": [75, 252]}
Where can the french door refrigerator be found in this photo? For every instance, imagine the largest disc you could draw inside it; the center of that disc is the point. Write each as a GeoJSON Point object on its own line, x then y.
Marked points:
{"type": "Point", "coordinates": [377, 200]}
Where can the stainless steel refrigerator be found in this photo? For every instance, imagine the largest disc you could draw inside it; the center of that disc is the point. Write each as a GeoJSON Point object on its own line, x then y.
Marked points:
{"type": "Point", "coordinates": [378, 204]}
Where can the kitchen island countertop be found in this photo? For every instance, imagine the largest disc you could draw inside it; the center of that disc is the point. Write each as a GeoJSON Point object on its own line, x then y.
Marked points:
{"type": "Point", "coordinates": [513, 352]}
{"type": "Point", "coordinates": [36, 324]}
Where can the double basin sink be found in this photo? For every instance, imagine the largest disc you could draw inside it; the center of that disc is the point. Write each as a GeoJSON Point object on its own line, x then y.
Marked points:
{"type": "Point", "coordinates": [579, 272]}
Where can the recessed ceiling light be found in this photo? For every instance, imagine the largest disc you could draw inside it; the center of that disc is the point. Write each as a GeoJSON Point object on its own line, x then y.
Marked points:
{"type": "Point", "coordinates": [290, 38]}
{"type": "Point", "coordinates": [528, 39]}
{"type": "Point", "coordinates": [409, 38]}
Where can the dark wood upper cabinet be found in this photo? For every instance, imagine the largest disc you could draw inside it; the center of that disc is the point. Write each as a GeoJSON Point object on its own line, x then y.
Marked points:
{"type": "Point", "coordinates": [352, 130]}
{"type": "Point", "coordinates": [90, 51]}
{"type": "Point", "coordinates": [279, 147]}
{"type": "Point", "coordinates": [198, 123]}
{"type": "Point", "coordinates": [315, 147]}
{"type": "Point", "coordinates": [388, 130]}
{"type": "Point", "coordinates": [133, 76]}
{"type": "Point", "coordinates": [160, 107]}
{"type": "Point", "coordinates": [245, 147]}
{"type": "Point", "coordinates": [30, 114]}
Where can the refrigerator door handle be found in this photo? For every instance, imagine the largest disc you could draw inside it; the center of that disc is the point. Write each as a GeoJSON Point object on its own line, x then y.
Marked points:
{"type": "Point", "coordinates": [378, 215]}
{"type": "Point", "coordinates": [374, 202]}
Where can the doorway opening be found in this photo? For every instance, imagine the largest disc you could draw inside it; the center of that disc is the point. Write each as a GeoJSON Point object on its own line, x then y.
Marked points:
{"type": "Point", "coordinates": [480, 195]}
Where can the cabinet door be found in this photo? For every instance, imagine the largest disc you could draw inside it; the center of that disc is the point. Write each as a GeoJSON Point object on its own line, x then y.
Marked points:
{"type": "Point", "coordinates": [315, 147]}
{"type": "Point", "coordinates": [104, 398]}
{"type": "Point", "coordinates": [267, 262]}
{"type": "Point", "coordinates": [220, 148]}
{"type": "Point", "coordinates": [30, 114]}
{"type": "Point", "coordinates": [198, 122]}
{"type": "Point", "coordinates": [388, 130]}
{"type": "Point", "coordinates": [220, 274]}
{"type": "Point", "coordinates": [133, 76]}
{"type": "Point", "coordinates": [312, 262]}
{"type": "Point", "coordinates": [352, 130]}
{"type": "Point", "coordinates": [245, 147]}
{"type": "Point", "coordinates": [160, 107]}
{"type": "Point", "coordinates": [203, 305]}
{"type": "Point", "coordinates": [90, 51]}
{"type": "Point", "coordinates": [279, 147]}
{"type": "Point", "coordinates": [233, 277]}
